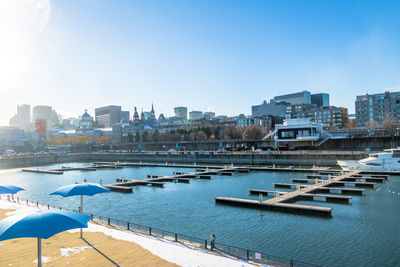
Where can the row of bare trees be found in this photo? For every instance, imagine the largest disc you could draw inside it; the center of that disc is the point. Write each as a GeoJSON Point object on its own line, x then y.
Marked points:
{"type": "Point", "coordinates": [203, 133]}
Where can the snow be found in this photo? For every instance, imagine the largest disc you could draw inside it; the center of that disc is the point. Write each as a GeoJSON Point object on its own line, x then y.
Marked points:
{"type": "Point", "coordinates": [171, 251]}
{"type": "Point", "coordinates": [66, 251]}
{"type": "Point", "coordinates": [44, 260]}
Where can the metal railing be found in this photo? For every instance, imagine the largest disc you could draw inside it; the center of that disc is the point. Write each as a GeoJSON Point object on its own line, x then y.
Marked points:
{"type": "Point", "coordinates": [191, 241]}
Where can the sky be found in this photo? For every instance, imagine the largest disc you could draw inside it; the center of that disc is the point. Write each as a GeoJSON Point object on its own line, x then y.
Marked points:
{"type": "Point", "coordinates": [221, 56]}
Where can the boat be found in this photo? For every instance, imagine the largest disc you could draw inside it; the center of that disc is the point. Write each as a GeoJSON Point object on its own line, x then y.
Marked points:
{"type": "Point", "coordinates": [388, 160]}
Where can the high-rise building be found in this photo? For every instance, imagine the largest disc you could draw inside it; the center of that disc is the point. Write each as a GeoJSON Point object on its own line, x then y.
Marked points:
{"type": "Point", "coordinates": [107, 116]}
{"type": "Point", "coordinates": [272, 108]}
{"type": "Point", "coordinates": [377, 108]}
{"type": "Point", "coordinates": [321, 100]}
{"type": "Point", "coordinates": [45, 113]}
{"type": "Point", "coordinates": [124, 116]}
{"type": "Point", "coordinates": [23, 117]}
{"type": "Point", "coordinates": [181, 112]}
{"type": "Point", "coordinates": [303, 97]}
{"type": "Point", "coordinates": [195, 115]}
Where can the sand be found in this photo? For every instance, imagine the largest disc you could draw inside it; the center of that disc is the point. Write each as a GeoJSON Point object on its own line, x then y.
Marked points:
{"type": "Point", "coordinates": [105, 246]}
{"type": "Point", "coordinates": [77, 252]}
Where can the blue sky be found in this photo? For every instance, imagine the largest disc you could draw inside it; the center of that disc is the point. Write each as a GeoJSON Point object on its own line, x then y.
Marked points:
{"type": "Point", "coordinates": [219, 55]}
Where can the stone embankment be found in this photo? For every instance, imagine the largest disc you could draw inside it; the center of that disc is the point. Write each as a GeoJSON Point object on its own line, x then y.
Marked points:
{"type": "Point", "coordinates": [310, 158]}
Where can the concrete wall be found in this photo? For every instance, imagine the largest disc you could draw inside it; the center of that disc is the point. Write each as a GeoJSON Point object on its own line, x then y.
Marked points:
{"type": "Point", "coordinates": [320, 158]}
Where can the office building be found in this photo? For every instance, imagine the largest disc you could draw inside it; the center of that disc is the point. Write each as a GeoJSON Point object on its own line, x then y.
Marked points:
{"type": "Point", "coordinates": [109, 115]}
{"type": "Point", "coordinates": [195, 115]}
{"type": "Point", "coordinates": [23, 117]}
{"type": "Point", "coordinates": [47, 114]}
{"type": "Point", "coordinates": [303, 97]}
{"type": "Point", "coordinates": [327, 116]}
{"type": "Point", "coordinates": [377, 108]}
{"type": "Point", "coordinates": [181, 112]}
{"type": "Point", "coordinates": [321, 100]}
{"type": "Point", "coordinates": [272, 108]}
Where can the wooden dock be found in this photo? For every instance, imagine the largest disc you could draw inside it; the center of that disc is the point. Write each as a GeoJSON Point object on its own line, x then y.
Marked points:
{"type": "Point", "coordinates": [278, 206]}
{"type": "Point", "coordinates": [42, 171]}
{"type": "Point", "coordinates": [305, 196]}
{"type": "Point", "coordinates": [283, 201]}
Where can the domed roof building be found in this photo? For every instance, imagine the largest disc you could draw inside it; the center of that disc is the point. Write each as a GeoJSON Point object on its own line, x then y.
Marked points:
{"type": "Point", "coordinates": [86, 121]}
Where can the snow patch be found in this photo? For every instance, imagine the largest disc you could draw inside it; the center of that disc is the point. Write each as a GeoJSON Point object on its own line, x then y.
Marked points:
{"type": "Point", "coordinates": [66, 251]}
{"type": "Point", "coordinates": [44, 260]}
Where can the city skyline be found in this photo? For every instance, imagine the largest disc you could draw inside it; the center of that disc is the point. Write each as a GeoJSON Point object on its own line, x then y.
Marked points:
{"type": "Point", "coordinates": [82, 55]}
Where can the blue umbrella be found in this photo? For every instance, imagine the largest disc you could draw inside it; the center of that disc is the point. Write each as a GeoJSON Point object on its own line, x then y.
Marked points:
{"type": "Point", "coordinates": [41, 224]}
{"type": "Point", "coordinates": [86, 189]}
{"type": "Point", "coordinates": [9, 189]}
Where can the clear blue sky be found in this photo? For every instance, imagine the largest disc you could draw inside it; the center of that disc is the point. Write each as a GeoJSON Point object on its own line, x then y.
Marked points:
{"type": "Point", "coordinates": [222, 55]}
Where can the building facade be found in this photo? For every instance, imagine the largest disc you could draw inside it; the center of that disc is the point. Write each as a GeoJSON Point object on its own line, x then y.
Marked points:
{"type": "Point", "coordinates": [321, 100]}
{"type": "Point", "coordinates": [109, 115]}
{"type": "Point", "coordinates": [377, 108]}
{"type": "Point", "coordinates": [303, 97]}
{"type": "Point", "coordinates": [195, 115]}
{"type": "Point", "coordinates": [181, 112]}
{"type": "Point", "coordinates": [327, 116]}
{"type": "Point", "coordinates": [272, 108]}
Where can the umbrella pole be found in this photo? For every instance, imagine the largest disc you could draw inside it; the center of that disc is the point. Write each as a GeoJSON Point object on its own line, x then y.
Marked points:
{"type": "Point", "coordinates": [39, 245]}
{"type": "Point", "coordinates": [81, 211]}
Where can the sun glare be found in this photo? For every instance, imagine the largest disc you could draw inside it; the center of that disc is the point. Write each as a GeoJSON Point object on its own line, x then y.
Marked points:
{"type": "Point", "coordinates": [20, 22]}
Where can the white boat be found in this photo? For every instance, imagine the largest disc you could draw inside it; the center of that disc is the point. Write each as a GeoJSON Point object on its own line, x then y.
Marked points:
{"type": "Point", "coordinates": [389, 160]}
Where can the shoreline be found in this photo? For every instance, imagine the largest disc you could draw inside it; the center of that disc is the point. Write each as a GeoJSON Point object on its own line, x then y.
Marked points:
{"type": "Point", "coordinates": [166, 250]}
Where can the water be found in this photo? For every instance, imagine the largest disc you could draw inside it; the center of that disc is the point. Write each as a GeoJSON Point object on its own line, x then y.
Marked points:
{"type": "Point", "coordinates": [364, 233]}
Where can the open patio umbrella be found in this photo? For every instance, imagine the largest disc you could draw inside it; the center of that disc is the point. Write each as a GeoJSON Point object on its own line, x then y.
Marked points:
{"type": "Point", "coordinates": [41, 224]}
{"type": "Point", "coordinates": [86, 189]}
{"type": "Point", "coordinates": [9, 189]}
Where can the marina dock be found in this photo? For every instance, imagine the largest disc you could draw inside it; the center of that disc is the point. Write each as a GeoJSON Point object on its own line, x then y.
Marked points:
{"type": "Point", "coordinates": [284, 201]}
{"type": "Point", "coordinates": [43, 171]}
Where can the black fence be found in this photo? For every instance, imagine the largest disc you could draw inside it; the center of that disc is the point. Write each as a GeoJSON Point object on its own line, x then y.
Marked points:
{"type": "Point", "coordinates": [224, 249]}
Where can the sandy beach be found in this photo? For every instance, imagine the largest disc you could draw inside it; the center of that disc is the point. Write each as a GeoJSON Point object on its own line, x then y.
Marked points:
{"type": "Point", "coordinates": [102, 246]}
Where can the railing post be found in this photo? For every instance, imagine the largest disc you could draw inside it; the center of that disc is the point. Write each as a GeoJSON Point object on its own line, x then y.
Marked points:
{"type": "Point", "coordinates": [291, 263]}
{"type": "Point", "coordinates": [176, 237]}
{"type": "Point", "coordinates": [248, 254]}
{"type": "Point", "coordinates": [149, 230]}
{"type": "Point", "coordinates": [108, 220]}
{"type": "Point", "coordinates": [127, 225]}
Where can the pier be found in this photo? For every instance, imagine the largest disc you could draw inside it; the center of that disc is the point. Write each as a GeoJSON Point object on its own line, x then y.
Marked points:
{"type": "Point", "coordinates": [283, 201]}
{"type": "Point", "coordinates": [43, 171]}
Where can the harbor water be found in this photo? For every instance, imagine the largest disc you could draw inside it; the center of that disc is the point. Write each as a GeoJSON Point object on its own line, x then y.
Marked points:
{"type": "Point", "coordinates": [365, 232]}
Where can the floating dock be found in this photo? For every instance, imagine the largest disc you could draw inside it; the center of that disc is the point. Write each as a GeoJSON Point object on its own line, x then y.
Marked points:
{"type": "Point", "coordinates": [42, 171]}
{"type": "Point", "coordinates": [284, 201]}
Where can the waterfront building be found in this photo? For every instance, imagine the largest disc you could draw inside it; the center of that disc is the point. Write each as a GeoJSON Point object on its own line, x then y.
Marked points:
{"type": "Point", "coordinates": [209, 115]}
{"type": "Point", "coordinates": [377, 108]}
{"type": "Point", "coordinates": [109, 115]}
{"type": "Point", "coordinates": [327, 116]}
{"type": "Point", "coordinates": [303, 97]}
{"type": "Point", "coordinates": [195, 115]}
{"type": "Point", "coordinates": [22, 119]}
{"type": "Point", "coordinates": [272, 108]}
{"type": "Point", "coordinates": [321, 99]}
{"type": "Point", "coordinates": [135, 115]}
{"type": "Point", "coordinates": [181, 112]}
{"type": "Point", "coordinates": [86, 121]}
{"type": "Point", "coordinates": [47, 114]}
{"type": "Point", "coordinates": [124, 116]}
